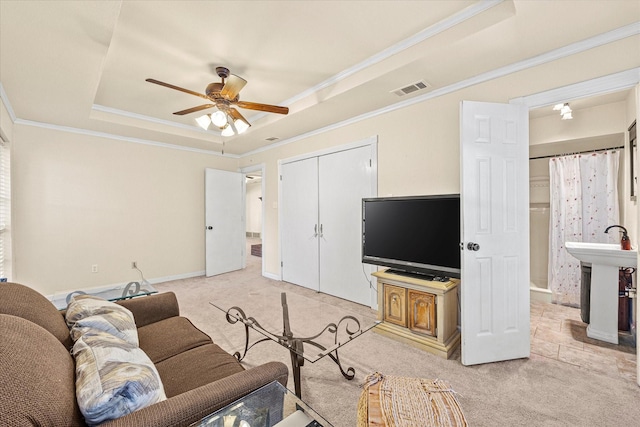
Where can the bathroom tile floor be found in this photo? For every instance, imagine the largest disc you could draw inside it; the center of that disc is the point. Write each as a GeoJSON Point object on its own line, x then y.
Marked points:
{"type": "Point", "coordinates": [557, 332]}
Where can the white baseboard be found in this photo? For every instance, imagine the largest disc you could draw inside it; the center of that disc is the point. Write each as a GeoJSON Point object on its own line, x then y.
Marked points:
{"type": "Point", "coordinates": [153, 281]}
{"type": "Point", "coordinates": [540, 294]}
{"type": "Point", "coordinates": [272, 276]}
{"type": "Point", "coordinates": [177, 277]}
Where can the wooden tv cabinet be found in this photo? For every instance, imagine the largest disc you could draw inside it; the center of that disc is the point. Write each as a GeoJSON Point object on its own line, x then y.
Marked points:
{"type": "Point", "coordinates": [419, 312]}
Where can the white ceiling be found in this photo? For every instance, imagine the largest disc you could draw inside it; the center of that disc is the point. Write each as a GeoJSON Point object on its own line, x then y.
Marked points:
{"type": "Point", "coordinates": [83, 64]}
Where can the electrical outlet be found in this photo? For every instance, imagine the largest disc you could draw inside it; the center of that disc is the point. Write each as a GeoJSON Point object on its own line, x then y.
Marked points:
{"type": "Point", "coordinates": [134, 264]}
{"type": "Point", "coordinates": [94, 268]}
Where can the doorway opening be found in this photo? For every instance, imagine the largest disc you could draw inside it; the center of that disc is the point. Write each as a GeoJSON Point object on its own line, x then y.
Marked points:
{"type": "Point", "coordinates": [589, 131]}
{"type": "Point", "coordinates": [254, 218]}
{"type": "Point", "coordinates": [560, 330]}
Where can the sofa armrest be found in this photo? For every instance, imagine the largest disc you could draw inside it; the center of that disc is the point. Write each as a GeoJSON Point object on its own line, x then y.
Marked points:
{"type": "Point", "coordinates": [187, 408]}
{"type": "Point", "coordinates": [152, 308]}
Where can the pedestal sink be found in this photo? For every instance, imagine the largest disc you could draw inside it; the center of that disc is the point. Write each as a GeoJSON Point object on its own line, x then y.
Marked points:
{"type": "Point", "coordinates": [605, 260]}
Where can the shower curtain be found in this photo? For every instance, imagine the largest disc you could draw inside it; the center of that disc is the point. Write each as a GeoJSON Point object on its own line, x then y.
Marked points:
{"type": "Point", "coordinates": [584, 202]}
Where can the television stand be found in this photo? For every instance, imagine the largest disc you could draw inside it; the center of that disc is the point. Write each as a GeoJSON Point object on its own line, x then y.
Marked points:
{"type": "Point", "coordinates": [418, 311]}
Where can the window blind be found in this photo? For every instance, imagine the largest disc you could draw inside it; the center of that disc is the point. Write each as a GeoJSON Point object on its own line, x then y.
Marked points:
{"type": "Point", "coordinates": [5, 211]}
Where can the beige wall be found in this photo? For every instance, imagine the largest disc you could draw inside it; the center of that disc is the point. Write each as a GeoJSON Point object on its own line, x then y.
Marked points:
{"type": "Point", "coordinates": [418, 148]}
{"type": "Point", "coordinates": [81, 200]}
{"type": "Point", "coordinates": [601, 120]}
{"type": "Point", "coordinates": [6, 125]}
{"type": "Point", "coordinates": [418, 153]}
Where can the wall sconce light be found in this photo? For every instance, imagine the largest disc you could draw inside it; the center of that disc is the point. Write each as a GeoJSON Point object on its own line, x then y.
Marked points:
{"type": "Point", "coordinates": [565, 110]}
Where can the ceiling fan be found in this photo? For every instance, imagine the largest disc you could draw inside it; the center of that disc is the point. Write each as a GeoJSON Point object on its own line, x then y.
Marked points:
{"type": "Point", "coordinates": [224, 96]}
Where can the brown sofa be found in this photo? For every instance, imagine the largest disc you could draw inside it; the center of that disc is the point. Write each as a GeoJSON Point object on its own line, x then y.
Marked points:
{"type": "Point", "coordinates": [37, 371]}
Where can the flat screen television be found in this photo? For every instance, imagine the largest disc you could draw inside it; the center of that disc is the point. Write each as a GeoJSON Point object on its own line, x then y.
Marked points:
{"type": "Point", "coordinates": [416, 235]}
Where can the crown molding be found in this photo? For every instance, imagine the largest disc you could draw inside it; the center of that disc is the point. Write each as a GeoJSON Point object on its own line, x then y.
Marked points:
{"type": "Point", "coordinates": [553, 55]}
{"type": "Point", "coordinates": [121, 138]}
{"type": "Point", "coordinates": [421, 36]}
{"type": "Point", "coordinates": [7, 103]}
{"type": "Point", "coordinates": [155, 120]}
{"type": "Point", "coordinates": [604, 84]}
{"type": "Point", "coordinates": [599, 86]}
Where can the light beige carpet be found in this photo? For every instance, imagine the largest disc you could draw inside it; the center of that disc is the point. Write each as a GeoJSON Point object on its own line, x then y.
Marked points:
{"type": "Point", "coordinates": [525, 392]}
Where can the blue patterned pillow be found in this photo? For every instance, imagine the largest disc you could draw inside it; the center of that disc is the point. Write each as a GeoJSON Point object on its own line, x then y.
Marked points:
{"type": "Point", "coordinates": [113, 377]}
{"type": "Point", "coordinates": [87, 313]}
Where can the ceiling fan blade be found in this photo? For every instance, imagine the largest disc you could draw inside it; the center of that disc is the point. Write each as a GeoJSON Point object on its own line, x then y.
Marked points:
{"type": "Point", "coordinates": [235, 115]}
{"type": "Point", "coordinates": [194, 109]}
{"type": "Point", "coordinates": [263, 107]}
{"type": "Point", "coordinates": [232, 87]}
{"type": "Point", "coordinates": [170, 86]}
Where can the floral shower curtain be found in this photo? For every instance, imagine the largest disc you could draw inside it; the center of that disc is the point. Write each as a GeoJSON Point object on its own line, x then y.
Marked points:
{"type": "Point", "coordinates": [584, 202]}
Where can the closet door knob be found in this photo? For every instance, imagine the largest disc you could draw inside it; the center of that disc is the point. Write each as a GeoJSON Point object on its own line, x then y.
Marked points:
{"type": "Point", "coordinates": [473, 246]}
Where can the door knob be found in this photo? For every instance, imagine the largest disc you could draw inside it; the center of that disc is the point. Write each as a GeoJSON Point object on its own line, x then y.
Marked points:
{"type": "Point", "coordinates": [209, 228]}
{"type": "Point", "coordinates": [473, 246]}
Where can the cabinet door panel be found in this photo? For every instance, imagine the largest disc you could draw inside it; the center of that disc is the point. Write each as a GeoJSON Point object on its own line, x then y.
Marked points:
{"type": "Point", "coordinates": [422, 315]}
{"type": "Point", "coordinates": [395, 305]}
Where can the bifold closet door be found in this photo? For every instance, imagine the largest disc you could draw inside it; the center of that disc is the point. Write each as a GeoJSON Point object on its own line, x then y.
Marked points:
{"type": "Point", "coordinates": [299, 222]}
{"type": "Point", "coordinates": [344, 180]}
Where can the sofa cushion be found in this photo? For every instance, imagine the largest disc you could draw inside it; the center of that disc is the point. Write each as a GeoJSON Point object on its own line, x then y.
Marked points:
{"type": "Point", "coordinates": [196, 367]}
{"type": "Point", "coordinates": [169, 337]}
{"type": "Point", "coordinates": [37, 377]}
{"type": "Point", "coordinates": [152, 308]}
{"type": "Point", "coordinates": [113, 377]}
{"type": "Point", "coordinates": [87, 313]}
{"type": "Point", "coordinates": [22, 301]}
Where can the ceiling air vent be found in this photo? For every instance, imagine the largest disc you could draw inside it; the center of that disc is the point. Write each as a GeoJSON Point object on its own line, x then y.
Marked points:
{"type": "Point", "coordinates": [414, 87]}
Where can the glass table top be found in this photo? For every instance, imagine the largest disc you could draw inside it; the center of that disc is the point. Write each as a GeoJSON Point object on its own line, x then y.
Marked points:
{"type": "Point", "coordinates": [270, 406]}
{"type": "Point", "coordinates": [130, 290]}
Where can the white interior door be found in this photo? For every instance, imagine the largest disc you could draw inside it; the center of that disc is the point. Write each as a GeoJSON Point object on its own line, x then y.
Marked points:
{"type": "Point", "coordinates": [495, 216]}
{"type": "Point", "coordinates": [299, 222]}
{"type": "Point", "coordinates": [345, 178]}
{"type": "Point", "coordinates": [224, 221]}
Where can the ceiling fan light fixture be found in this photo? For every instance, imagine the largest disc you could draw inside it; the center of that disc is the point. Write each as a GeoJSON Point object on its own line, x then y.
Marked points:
{"type": "Point", "coordinates": [227, 131]}
{"type": "Point", "coordinates": [219, 118]}
{"type": "Point", "coordinates": [241, 126]}
{"type": "Point", "coordinates": [204, 121]}
{"type": "Point", "coordinates": [223, 96]}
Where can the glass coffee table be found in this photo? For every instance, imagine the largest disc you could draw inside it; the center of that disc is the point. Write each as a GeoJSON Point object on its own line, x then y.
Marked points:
{"type": "Point", "coordinates": [269, 406]}
{"type": "Point", "coordinates": [310, 329]}
{"type": "Point", "coordinates": [130, 290]}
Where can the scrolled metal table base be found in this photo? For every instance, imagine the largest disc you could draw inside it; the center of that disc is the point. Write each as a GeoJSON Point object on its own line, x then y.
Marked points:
{"type": "Point", "coordinates": [295, 345]}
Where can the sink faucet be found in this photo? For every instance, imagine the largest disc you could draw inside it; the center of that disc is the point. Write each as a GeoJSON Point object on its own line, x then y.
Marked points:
{"type": "Point", "coordinates": [625, 243]}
